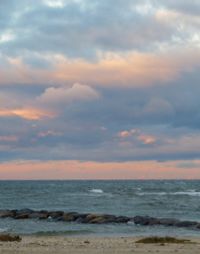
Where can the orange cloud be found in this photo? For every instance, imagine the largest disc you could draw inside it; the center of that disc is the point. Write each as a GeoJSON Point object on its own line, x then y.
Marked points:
{"type": "Point", "coordinates": [26, 113]}
{"type": "Point", "coordinates": [130, 69]}
{"type": "Point", "coordinates": [127, 133]}
{"type": "Point", "coordinates": [147, 139]}
{"type": "Point", "coordinates": [97, 170]}
{"type": "Point", "coordinates": [10, 138]}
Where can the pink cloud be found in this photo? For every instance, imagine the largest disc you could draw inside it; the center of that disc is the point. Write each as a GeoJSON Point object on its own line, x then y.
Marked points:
{"type": "Point", "coordinates": [147, 139]}
{"type": "Point", "coordinates": [26, 113]}
{"type": "Point", "coordinates": [10, 138]}
{"type": "Point", "coordinates": [130, 69]}
{"type": "Point", "coordinates": [127, 133]}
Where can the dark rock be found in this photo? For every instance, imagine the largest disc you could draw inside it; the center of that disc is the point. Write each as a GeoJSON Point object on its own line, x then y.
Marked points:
{"type": "Point", "coordinates": [25, 210]}
{"type": "Point", "coordinates": [82, 218]}
{"type": "Point", "coordinates": [168, 222]}
{"type": "Point", "coordinates": [41, 215]}
{"type": "Point", "coordinates": [122, 219]}
{"type": "Point", "coordinates": [7, 213]}
{"type": "Point", "coordinates": [100, 219]}
{"type": "Point", "coordinates": [22, 216]}
{"type": "Point", "coordinates": [23, 213]}
{"type": "Point", "coordinates": [142, 220]}
{"type": "Point", "coordinates": [55, 214]}
{"type": "Point", "coordinates": [186, 224]}
{"type": "Point", "coordinates": [72, 216]}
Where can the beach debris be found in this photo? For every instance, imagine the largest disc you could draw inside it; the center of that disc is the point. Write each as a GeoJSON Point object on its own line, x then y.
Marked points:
{"type": "Point", "coordinates": [87, 242]}
{"type": "Point", "coordinates": [10, 238]}
{"type": "Point", "coordinates": [162, 240]}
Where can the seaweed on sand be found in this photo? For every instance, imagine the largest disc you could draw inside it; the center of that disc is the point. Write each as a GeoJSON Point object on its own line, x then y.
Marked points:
{"type": "Point", "coordinates": [162, 240]}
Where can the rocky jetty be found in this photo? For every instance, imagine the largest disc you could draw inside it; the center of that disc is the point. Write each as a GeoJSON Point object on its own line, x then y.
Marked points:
{"type": "Point", "coordinates": [95, 218]}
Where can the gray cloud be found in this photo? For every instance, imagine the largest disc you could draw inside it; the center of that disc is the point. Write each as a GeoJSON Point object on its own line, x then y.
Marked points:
{"type": "Point", "coordinates": [88, 118]}
{"type": "Point", "coordinates": [89, 129]}
{"type": "Point", "coordinates": [81, 30]}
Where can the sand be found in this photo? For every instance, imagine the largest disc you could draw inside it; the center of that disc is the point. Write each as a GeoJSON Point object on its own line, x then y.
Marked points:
{"type": "Point", "coordinates": [93, 245]}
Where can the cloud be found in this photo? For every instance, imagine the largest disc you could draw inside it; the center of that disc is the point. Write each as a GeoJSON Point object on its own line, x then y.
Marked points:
{"type": "Point", "coordinates": [63, 95]}
{"type": "Point", "coordinates": [147, 139]}
{"type": "Point", "coordinates": [99, 80]}
{"type": "Point", "coordinates": [59, 26]}
{"type": "Point", "coordinates": [44, 134]}
{"type": "Point", "coordinates": [127, 133]}
{"type": "Point", "coordinates": [132, 69]}
{"type": "Point", "coordinates": [10, 138]}
{"type": "Point", "coordinates": [25, 113]}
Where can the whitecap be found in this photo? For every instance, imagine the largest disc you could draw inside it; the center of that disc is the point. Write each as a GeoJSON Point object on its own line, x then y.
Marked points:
{"type": "Point", "coordinates": [189, 193]}
{"type": "Point", "coordinates": [152, 193]}
{"type": "Point", "coordinates": [2, 230]}
{"type": "Point", "coordinates": [96, 191]}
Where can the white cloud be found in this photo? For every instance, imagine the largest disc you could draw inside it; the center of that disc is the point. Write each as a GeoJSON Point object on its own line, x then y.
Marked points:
{"type": "Point", "coordinates": [61, 95]}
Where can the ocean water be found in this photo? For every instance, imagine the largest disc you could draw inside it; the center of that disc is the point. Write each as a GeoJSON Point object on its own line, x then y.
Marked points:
{"type": "Point", "coordinates": [173, 199]}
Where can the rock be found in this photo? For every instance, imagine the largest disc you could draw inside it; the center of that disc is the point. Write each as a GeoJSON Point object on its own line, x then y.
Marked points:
{"type": "Point", "coordinates": [100, 219]}
{"type": "Point", "coordinates": [23, 213]}
{"type": "Point", "coordinates": [25, 210]}
{"type": "Point", "coordinates": [10, 238]}
{"type": "Point", "coordinates": [41, 215]}
{"type": "Point", "coordinates": [82, 218]}
{"type": "Point", "coordinates": [7, 213]}
{"type": "Point", "coordinates": [168, 222]}
{"type": "Point", "coordinates": [55, 214]}
{"type": "Point", "coordinates": [22, 216]}
{"type": "Point", "coordinates": [95, 218]}
{"type": "Point", "coordinates": [142, 220]}
{"type": "Point", "coordinates": [72, 216]}
{"type": "Point", "coordinates": [122, 219]}
{"type": "Point", "coordinates": [186, 224]}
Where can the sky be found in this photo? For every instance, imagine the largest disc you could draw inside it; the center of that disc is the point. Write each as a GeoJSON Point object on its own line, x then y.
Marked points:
{"type": "Point", "coordinates": [101, 89]}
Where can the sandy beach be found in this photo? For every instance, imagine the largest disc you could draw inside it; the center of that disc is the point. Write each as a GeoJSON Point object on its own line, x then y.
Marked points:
{"type": "Point", "coordinates": [90, 245]}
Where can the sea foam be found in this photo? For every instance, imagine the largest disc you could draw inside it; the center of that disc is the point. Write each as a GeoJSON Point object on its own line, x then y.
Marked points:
{"type": "Point", "coordinates": [96, 191]}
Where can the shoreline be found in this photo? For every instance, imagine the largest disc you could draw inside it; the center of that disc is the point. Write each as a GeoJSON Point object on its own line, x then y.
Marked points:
{"type": "Point", "coordinates": [94, 245]}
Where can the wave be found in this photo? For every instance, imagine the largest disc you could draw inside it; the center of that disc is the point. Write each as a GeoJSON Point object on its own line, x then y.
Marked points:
{"type": "Point", "coordinates": [96, 191]}
{"type": "Point", "coordinates": [152, 193]}
{"type": "Point", "coordinates": [2, 230]}
{"type": "Point", "coordinates": [189, 193]}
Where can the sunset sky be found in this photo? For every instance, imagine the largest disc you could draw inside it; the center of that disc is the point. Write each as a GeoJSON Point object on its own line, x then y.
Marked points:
{"type": "Point", "coordinates": [99, 89]}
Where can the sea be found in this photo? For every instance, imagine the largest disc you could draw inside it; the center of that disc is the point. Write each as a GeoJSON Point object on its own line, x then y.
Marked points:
{"type": "Point", "coordinates": [178, 199]}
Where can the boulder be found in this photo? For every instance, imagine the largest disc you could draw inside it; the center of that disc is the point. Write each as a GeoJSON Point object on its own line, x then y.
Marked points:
{"type": "Point", "coordinates": [122, 219]}
{"type": "Point", "coordinates": [142, 220]}
{"type": "Point", "coordinates": [41, 215]}
{"type": "Point", "coordinates": [7, 213]}
{"type": "Point", "coordinates": [100, 219]}
{"type": "Point", "coordinates": [23, 213]}
{"type": "Point", "coordinates": [72, 216]}
{"type": "Point", "coordinates": [168, 222]}
{"type": "Point", "coordinates": [186, 224]}
{"type": "Point", "coordinates": [55, 214]}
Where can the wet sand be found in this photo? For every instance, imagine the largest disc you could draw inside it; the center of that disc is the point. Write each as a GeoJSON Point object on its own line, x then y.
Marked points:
{"type": "Point", "coordinates": [93, 245]}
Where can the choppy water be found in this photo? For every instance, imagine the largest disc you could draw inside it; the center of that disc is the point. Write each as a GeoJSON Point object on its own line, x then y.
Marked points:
{"type": "Point", "coordinates": [173, 199]}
